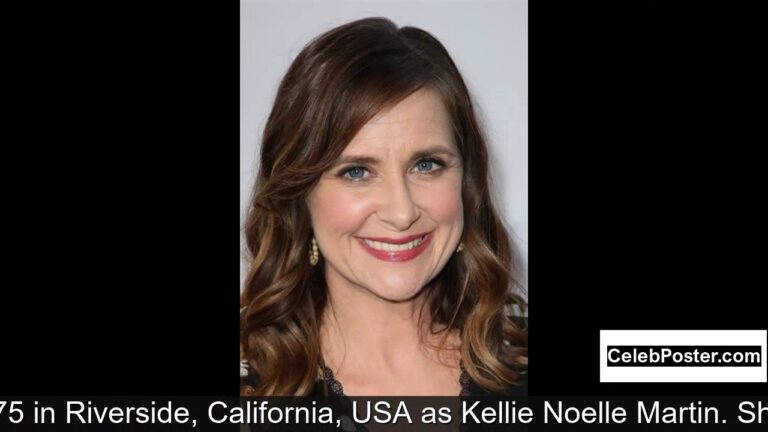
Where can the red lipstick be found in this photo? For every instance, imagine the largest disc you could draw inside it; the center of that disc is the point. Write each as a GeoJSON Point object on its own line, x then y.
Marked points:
{"type": "Point", "coordinates": [397, 256]}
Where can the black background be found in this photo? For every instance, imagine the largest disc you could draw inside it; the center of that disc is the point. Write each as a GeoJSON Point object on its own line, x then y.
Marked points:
{"type": "Point", "coordinates": [121, 191]}
{"type": "Point", "coordinates": [646, 182]}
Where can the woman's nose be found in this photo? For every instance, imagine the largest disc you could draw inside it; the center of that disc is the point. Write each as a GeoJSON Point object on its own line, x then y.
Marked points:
{"type": "Point", "coordinates": [397, 207]}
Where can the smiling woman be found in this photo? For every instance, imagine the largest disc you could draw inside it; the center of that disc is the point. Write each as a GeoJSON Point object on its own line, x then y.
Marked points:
{"type": "Point", "coordinates": [388, 215]}
{"type": "Point", "coordinates": [378, 259]}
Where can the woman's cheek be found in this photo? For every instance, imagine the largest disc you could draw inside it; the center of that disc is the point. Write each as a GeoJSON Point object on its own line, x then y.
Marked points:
{"type": "Point", "coordinates": [339, 209]}
{"type": "Point", "coordinates": [353, 210]}
{"type": "Point", "coordinates": [443, 199]}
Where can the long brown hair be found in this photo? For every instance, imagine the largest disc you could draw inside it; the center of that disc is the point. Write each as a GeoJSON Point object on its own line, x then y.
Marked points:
{"type": "Point", "coordinates": [338, 82]}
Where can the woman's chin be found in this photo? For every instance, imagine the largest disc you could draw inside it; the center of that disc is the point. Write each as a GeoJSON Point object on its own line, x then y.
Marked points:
{"type": "Point", "coordinates": [397, 292]}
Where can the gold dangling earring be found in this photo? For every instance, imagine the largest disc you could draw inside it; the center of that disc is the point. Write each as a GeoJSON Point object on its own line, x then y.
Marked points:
{"type": "Point", "coordinates": [314, 253]}
{"type": "Point", "coordinates": [460, 248]}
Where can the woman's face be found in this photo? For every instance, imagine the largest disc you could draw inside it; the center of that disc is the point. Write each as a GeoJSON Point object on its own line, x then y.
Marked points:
{"type": "Point", "coordinates": [388, 215]}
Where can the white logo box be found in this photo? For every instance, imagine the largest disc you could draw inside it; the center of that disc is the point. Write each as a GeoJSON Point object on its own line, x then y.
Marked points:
{"type": "Point", "coordinates": [682, 374]}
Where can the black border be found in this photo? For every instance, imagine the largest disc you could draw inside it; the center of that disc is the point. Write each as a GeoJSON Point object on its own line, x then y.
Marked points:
{"type": "Point", "coordinates": [122, 192]}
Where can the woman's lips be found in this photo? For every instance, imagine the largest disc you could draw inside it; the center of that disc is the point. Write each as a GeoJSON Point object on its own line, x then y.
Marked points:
{"type": "Point", "coordinates": [414, 245]}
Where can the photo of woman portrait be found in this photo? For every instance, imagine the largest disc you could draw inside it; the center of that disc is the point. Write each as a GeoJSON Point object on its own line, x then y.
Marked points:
{"type": "Point", "coordinates": [378, 261]}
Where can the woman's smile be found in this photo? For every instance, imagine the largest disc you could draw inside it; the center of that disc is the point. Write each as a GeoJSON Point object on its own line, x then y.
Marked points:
{"type": "Point", "coordinates": [396, 249]}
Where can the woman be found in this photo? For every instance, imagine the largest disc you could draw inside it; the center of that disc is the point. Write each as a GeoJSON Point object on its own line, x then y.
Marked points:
{"type": "Point", "coordinates": [379, 263]}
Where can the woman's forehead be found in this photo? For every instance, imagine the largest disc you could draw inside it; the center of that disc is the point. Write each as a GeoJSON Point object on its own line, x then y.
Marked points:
{"type": "Point", "coordinates": [418, 120]}
{"type": "Point", "coordinates": [421, 107]}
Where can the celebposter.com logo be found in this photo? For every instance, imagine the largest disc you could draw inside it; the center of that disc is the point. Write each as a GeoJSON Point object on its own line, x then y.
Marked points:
{"type": "Point", "coordinates": [683, 355]}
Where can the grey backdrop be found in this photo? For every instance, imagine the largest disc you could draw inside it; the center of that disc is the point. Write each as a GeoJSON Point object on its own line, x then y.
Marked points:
{"type": "Point", "coordinates": [487, 40]}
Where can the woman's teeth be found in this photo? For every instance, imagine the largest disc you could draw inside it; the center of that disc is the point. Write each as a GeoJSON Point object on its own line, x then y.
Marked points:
{"type": "Point", "coordinates": [389, 247]}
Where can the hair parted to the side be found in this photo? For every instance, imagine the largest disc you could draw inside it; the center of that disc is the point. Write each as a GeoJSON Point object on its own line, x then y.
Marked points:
{"type": "Point", "coordinates": [338, 82]}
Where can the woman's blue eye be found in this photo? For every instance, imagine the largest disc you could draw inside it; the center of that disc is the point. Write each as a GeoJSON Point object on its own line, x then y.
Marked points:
{"type": "Point", "coordinates": [355, 173]}
{"type": "Point", "coordinates": [426, 166]}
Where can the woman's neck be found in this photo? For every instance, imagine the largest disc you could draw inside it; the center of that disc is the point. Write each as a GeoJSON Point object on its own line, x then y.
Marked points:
{"type": "Point", "coordinates": [361, 330]}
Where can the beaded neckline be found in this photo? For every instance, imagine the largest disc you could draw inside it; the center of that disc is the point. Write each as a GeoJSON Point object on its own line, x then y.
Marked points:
{"type": "Point", "coordinates": [337, 389]}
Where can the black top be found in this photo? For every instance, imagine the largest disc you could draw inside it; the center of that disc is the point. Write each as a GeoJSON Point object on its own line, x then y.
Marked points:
{"type": "Point", "coordinates": [327, 385]}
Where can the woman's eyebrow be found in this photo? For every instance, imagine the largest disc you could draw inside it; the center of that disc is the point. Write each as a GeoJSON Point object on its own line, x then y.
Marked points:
{"type": "Point", "coordinates": [359, 160]}
{"type": "Point", "coordinates": [420, 154]}
{"type": "Point", "coordinates": [434, 151]}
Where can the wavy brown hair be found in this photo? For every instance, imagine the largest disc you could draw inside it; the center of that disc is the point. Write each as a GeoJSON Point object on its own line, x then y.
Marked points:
{"type": "Point", "coordinates": [336, 84]}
